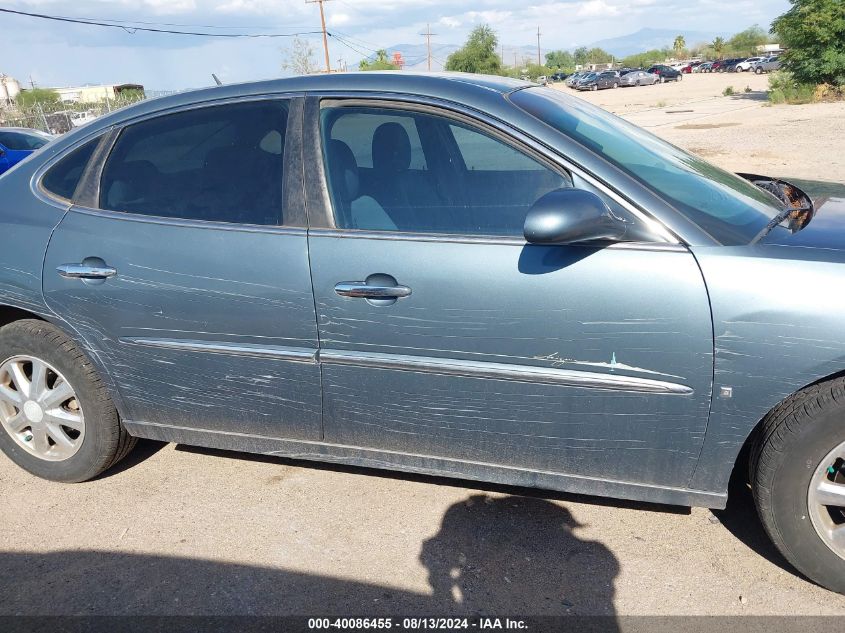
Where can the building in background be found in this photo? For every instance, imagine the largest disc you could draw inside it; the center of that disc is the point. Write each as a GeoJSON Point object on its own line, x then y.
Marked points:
{"type": "Point", "coordinates": [96, 94]}
{"type": "Point", "coordinates": [9, 89]}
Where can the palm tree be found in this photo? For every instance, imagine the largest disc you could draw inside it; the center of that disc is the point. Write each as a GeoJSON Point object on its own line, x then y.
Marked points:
{"type": "Point", "coordinates": [679, 45]}
{"type": "Point", "coordinates": [719, 46]}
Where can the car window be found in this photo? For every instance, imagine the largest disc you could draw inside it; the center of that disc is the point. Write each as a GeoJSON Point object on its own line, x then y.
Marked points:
{"type": "Point", "coordinates": [22, 140]}
{"type": "Point", "coordinates": [219, 163]}
{"type": "Point", "coordinates": [427, 173]}
{"type": "Point", "coordinates": [63, 177]}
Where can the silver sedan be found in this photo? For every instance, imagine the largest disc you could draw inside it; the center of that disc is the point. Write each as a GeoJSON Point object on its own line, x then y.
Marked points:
{"type": "Point", "coordinates": [638, 78]}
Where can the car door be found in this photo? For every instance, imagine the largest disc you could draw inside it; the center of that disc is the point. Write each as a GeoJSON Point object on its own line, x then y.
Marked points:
{"type": "Point", "coordinates": [442, 333]}
{"type": "Point", "coordinates": [183, 264]}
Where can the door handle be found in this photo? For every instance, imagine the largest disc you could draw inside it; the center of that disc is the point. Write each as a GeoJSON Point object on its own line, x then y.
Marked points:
{"type": "Point", "coordinates": [363, 290]}
{"type": "Point", "coordinates": [85, 271]}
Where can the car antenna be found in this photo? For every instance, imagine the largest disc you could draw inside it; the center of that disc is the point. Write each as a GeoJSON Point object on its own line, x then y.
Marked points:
{"type": "Point", "coordinates": [216, 80]}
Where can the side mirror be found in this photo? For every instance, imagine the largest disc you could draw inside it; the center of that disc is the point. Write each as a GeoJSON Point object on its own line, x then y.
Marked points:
{"type": "Point", "coordinates": [567, 216]}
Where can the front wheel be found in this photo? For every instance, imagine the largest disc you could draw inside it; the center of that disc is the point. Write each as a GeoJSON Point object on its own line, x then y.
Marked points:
{"type": "Point", "coordinates": [57, 419]}
{"type": "Point", "coordinates": [798, 481]}
{"type": "Point", "coordinates": [758, 71]}
{"type": "Point", "coordinates": [679, 77]}
{"type": "Point", "coordinates": [615, 85]}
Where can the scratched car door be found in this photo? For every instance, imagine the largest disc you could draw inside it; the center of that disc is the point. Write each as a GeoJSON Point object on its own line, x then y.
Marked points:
{"type": "Point", "coordinates": [444, 334]}
{"type": "Point", "coordinates": [188, 275]}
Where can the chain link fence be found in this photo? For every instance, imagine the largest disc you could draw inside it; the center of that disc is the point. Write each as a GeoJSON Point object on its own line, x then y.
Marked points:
{"type": "Point", "coordinates": [57, 117]}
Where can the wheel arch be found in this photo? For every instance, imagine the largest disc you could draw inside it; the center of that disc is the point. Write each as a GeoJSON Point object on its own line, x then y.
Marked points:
{"type": "Point", "coordinates": [10, 313]}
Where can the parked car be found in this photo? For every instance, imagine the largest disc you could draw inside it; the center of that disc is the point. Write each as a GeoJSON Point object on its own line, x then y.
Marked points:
{"type": "Point", "coordinates": [747, 64]}
{"type": "Point", "coordinates": [16, 143]}
{"type": "Point", "coordinates": [559, 76]}
{"type": "Point", "coordinates": [703, 68]}
{"type": "Point", "coordinates": [586, 77]}
{"type": "Point", "coordinates": [599, 81]}
{"type": "Point", "coordinates": [768, 64]}
{"type": "Point", "coordinates": [725, 64]}
{"type": "Point", "coordinates": [542, 80]}
{"type": "Point", "coordinates": [638, 78]}
{"type": "Point", "coordinates": [733, 66]}
{"type": "Point", "coordinates": [493, 281]}
{"type": "Point", "coordinates": [574, 78]}
{"type": "Point", "coordinates": [666, 73]}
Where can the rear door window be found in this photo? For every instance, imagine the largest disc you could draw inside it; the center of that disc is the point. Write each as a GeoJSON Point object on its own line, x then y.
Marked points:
{"type": "Point", "coordinates": [219, 163]}
{"type": "Point", "coordinates": [63, 177]}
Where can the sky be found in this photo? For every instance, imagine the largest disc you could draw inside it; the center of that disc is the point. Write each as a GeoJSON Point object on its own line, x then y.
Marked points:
{"type": "Point", "coordinates": [63, 54]}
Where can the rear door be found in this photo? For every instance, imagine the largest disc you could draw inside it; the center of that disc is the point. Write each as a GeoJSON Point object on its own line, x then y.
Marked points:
{"type": "Point", "coordinates": [184, 266]}
{"type": "Point", "coordinates": [444, 334]}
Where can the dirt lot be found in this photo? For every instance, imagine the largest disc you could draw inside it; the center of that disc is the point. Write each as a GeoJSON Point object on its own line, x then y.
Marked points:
{"type": "Point", "coordinates": [180, 530]}
{"type": "Point", "coordinates": [741, 132]}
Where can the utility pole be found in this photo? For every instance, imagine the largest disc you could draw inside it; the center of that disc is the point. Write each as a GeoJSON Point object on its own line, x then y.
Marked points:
{"type": "Point", "coordinates": [325, 37]}
{"type": "Point", "coordinates": [428, 35]}
{"type": "Point", "coordinates": [538, 47]}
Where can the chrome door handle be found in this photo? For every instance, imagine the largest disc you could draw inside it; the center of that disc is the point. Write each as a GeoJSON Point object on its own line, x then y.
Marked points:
{"type": "Point", "coordinates": [84, 271]}
{"type": "Point", "coordinates": [362, 290]}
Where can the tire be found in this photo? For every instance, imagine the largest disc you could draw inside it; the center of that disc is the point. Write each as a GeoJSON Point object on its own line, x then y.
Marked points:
{"type": "Point", "coordinates": [662, 79]}
{"type": "Point", "coordinates": [758, 71]}
{"type": "Point", "coordinates": [102, 441]}
{"type": "Point", "coordinates": [615, 85]}
{"type": "Point", "coordinates": [594, 87]}
{"type": "Point", "coordinates": [788, 457]}
{"type": "Point", "coordinates": [679, 77]}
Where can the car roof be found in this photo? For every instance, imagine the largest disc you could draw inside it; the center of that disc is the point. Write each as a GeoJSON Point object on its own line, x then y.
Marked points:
{"type": "Point", "coordinates": [24, 130]}
{"type": "Point", "coordinates": [471, 89]}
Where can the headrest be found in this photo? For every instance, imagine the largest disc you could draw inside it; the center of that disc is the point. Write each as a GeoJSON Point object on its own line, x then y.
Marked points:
{"type": "Point", "coordinates": [391, 148]}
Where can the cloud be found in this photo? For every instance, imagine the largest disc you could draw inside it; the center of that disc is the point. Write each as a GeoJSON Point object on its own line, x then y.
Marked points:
{"type": "Point", "coordinates": [339, 19]}
{"type": "Point", "coordinates": [449, 22]}
{"type": "Point", "coordinates": [596, 8]}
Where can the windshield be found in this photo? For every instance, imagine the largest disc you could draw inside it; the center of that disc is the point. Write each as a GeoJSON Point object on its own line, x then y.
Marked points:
{"type": "Point", "coordinates": [22, 140]}
{"type": "Point", "coordinates": [730, 209]}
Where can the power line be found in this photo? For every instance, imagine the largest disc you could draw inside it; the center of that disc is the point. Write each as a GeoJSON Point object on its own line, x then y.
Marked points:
{"type": "Point", "coordinates": [133, 29]}
{"type": "Point", "coordinates": [428, 35]}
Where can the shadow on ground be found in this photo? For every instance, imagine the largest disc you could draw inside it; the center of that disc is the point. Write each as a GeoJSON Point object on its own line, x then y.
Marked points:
{"type": "Point", "coordinates": [491, 556]}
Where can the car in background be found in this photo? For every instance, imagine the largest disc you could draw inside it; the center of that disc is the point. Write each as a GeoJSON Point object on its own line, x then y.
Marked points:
{"type": "Point", "coordinates": [574, 78]}
{"type": "Point", "coordinates": [542, 80]}
{"type": "Point", "coordinates": [732, 67]}
{"type": "Point", "coordinates": [725, 64]}
{"type": "Point", "coordinates": [747, 64]}
{"type": "Point", "coordinates": [767, 64]}
{"type": "Point", "coordinates": [638, 77]}
{"type": "Point", "coordinates": [704, 67]}
{"type": "Point", "coordinates": [600, 81]}
{"type": "Point", "coordinates": [666, 73]}
{"type": "Point", "coordinates": [559, 76]}
{"type": "Point", "coordinates": [16, 143]}
{"type": "Point", "coordinates": [532, 292]}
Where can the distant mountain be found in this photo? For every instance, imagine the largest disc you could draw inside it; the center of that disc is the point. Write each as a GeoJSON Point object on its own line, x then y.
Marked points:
{"type": "Point", "coordinates": [648, 39]}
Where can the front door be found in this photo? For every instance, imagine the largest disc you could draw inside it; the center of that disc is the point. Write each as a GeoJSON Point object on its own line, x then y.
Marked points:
{"type": "Point", "coordinates": [444, 334]}
{"type": "Point", "coordinates": [189, 276]}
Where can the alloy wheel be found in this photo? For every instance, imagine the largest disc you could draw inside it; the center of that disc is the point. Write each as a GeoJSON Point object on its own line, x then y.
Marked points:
{"type": "Point", "coordinates": [826, 500]}
{"type": "Point", "coordinates": [39, 409]}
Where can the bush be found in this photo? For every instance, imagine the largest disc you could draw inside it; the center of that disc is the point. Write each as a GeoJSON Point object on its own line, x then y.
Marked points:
{"type": "Point", "coordinates": [813, 33]}
{"type": "Point", "coordinates": [727, 92]}
{"type": "Point", "coordinates": [783, 88]}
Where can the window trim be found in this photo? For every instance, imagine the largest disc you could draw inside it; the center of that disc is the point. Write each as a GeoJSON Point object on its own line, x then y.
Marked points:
{"type": "Point", "coordinates": [88, 191]}
{"type": "Point", "coordinates": [321, 212]}
{"type": "Point", "coordinates": [37, 182]}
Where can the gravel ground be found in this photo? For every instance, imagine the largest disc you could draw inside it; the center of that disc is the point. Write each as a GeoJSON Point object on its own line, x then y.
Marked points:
{"type": "Point", "coordinates": [177, 530]}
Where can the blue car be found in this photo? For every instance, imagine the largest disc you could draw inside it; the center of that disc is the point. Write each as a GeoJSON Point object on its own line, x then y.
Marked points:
{"type": "Point", "coordinates": [457, 275]}
{"type": "Point", "coordinates": [18, 143]}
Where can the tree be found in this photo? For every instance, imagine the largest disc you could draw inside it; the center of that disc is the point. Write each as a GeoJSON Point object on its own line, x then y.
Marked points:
{"type": "Point", "coordinates": [580, 55]}
{"type": "Point", "coordinates": [719, 46]}
{"type": "Point", "coordinates": [646, 59]}
{"type": "Point", "coordinates": [43, 96]}
{"type": "Point", "coordinates": [478, 55]}
{"type": "Point", "coordinates": [381, 62]}
{"type": "Point", "coordinates": [298, 58]}
{"type": "Point", "coordinates": [560, 60]}
{"type": "Point", "coordinates": [679, 45]}
{"type": "Point", "coordinates": [813, 34]}
{"type": "Point", "coordinates": [746, 42]}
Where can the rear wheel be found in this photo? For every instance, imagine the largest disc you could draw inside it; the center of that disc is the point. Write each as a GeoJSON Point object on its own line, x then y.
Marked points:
{"type": "Point", "coordinates": [57, 419]}
{"type": "Point", "coordinates": [758, 71]}
{"type": "Point", "coordinates": [798, 481]}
